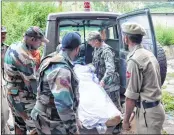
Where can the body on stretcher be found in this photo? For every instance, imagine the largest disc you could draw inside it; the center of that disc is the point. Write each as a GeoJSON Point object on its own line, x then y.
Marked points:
{"type": "Point", "coordinates": [96, 109]}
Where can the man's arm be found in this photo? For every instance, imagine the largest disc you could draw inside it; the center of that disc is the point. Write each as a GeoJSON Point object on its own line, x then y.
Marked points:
{"type": "Point", "coordinates": [60, 85]}
{"type": "Point", "coordinates": [109, 65]}
{"type": "Point", "coordinates": [134, 82]}
{"type": "Point", "coordinates": [130, 104]}
{"type": "Point", "coordinates": [27, 71]}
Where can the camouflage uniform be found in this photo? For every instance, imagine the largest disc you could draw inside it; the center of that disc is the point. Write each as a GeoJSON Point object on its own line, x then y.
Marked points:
{"type": "Point", "coordinates": [4, 48]}
{"type": "Point", "coordinates": [55, 111]}
{"type": "Point", "coordinates": [20, 79]}
{"type": "Point", "coordinates": [5, 112]}
{"type": "Point", "coordinates": [104, 62]}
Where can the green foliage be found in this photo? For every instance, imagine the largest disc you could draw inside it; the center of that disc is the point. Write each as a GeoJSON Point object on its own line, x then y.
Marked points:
{"type": "Point", "coordinates": [170, 75]}
{"type": "Point", "coordinates": [160, 7]}
{"type": "Point", "coordinates": [168, 101]}
{"type": "Point", "coordinates": [19, 16]}
{"type": "Point", "coordinates": [162, 10]}
{"type": "Point", "coordinates": [165, 35]}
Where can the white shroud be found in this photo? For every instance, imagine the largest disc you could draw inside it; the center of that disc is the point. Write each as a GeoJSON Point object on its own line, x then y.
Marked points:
{"type": "Point", "coordinates": [95, 106]}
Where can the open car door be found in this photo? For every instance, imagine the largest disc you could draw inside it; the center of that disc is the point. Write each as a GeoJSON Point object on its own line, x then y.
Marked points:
{"type": "Point", "coordinates": [142, 17]}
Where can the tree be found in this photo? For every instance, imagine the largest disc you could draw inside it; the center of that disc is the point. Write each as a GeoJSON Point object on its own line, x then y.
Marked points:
{"type": "Point", "coordinates": [19, 16]}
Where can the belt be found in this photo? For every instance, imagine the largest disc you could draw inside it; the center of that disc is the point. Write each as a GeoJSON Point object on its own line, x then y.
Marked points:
{"type": "Point", "coordinates": [147, 105]}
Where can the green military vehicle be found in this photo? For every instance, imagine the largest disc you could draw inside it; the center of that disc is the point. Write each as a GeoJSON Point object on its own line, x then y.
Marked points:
{"type": "Point", "coordinates": [58, 24]}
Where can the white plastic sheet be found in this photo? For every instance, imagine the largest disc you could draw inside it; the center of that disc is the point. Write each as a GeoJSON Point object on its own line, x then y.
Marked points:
{"type": "Point", "coordinates": [95, 106]}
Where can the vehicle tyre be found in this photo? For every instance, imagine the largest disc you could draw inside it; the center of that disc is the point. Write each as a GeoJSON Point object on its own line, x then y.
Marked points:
{"type": "Point", "coordinates": [161, 57]}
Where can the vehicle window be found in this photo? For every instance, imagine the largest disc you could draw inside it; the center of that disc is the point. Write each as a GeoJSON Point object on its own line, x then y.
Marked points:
{"type": "Point", "coordinates": [111, 33]}
{"type": "Point", "coordinates": [80, 30]}
{"type": "Point", "coordinates": [84, 27]}
{"type": "Point", "coordinates": [143, 20]}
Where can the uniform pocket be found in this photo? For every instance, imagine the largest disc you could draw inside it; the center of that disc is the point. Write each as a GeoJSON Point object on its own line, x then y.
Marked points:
{"type": "Point", "coordinates": [156, 117]}
{"type": "Point", "coordinates": [140, 121]}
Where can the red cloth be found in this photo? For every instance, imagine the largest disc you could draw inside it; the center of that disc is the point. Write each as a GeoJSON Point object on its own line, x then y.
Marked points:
{"type": "Point", "coordinates": [37, 57]}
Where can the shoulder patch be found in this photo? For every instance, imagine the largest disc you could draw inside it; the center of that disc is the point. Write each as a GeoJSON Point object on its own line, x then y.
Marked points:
{"type": "Point", "coordinates": [128, 74]}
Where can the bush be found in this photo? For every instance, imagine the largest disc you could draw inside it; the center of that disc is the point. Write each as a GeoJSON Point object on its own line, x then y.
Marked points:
{"type": "Point", "coordinates": [168, 101]}
{"type": "Point", "coordinates": [165, 35]}
{"type": "Point", "coordinates": [19, 16]}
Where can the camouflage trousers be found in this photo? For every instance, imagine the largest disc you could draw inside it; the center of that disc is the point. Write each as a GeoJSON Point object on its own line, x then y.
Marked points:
{"type": "Point", "coordinates": [47, 126]}
{"type": "Point", "coordinates": [115, 97]}
{"type": "Point", "coordinates": [21, 108]}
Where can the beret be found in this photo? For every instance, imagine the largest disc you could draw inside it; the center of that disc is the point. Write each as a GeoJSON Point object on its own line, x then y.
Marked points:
{"type": "Point", "coordinates": [133, 28]}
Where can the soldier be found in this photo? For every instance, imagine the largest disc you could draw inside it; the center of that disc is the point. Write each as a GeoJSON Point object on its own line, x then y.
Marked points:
{"type": "Point", "coordinates": [55, 111]}
{"type": "Point", "coordinates": [5, 108]}
{"type": "Point", "coordinates": [4, 100]}
{"type": "Point", "coordinates": [143, 83]}
{"type": "Point", "coordinates": [3, 45]}
{"type": "Point", "coordinates": [104, 62]}
{"type": "Point", "coordinates": [20, 78]}
{"type": "Point", "coordinates": [4, 113]}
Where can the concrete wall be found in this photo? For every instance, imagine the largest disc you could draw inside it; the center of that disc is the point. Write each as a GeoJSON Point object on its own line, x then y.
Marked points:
{"type": "Point", "coordinates": [166, 19]}
{"type": "Point", "coordinates": [169, 51]}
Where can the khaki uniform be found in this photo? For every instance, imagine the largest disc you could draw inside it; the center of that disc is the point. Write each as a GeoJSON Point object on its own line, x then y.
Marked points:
{"type": "Point", "coordinates": [144, 85]}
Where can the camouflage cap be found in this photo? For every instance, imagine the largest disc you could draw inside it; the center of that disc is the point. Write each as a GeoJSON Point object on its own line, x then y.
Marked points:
{"type": "Point", "coordinates": [36, 32]}
{"type": "Point", "coordinates": [93, 35]}
{"type": "Point", "coordinates": [133, 28]}
{"type": "Point", "coordinates": [3, 29]}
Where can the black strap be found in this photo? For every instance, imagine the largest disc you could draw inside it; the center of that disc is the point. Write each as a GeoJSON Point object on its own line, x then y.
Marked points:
{"type": "Point", "coordinates": [147, 105]}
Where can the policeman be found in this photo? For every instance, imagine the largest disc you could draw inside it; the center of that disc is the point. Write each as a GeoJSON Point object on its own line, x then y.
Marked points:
{"type": "Point", "coordinates": [20, 78]}
{"type": "Point", "coordinates": [105, 63]}
{"type": "Point", "coordinates": [55, 111]}
{"type": "Point", "coordinates": [143, 84]}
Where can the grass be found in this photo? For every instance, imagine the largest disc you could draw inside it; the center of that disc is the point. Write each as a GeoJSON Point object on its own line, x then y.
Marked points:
{"type": "Point", "coordinates": [164, 132]}
{"type": "Point", "coordinates": [170, 75]}
{"type": "Point", "coordinates": [164, 87]}
{"type": "Point", "coordinates": [164, 35]}
{"type": "Point", "coordinates": [168, 101]}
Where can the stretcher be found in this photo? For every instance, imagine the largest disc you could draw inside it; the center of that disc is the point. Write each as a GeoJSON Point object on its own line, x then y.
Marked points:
{"type": "Point", "coordinates": [96, 109]}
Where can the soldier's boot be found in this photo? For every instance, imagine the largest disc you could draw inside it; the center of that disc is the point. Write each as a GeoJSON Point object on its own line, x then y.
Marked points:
{"type": "Point", "coordinates": [19, 131]}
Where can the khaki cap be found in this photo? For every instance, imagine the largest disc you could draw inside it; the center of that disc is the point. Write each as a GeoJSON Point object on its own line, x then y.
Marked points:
{"type": "Point", "coordinates": [133, 28]}
{"type": "Point", "coordinates": [93, 35]}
